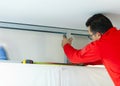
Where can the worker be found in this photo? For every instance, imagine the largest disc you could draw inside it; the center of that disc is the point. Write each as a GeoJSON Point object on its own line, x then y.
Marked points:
{"type": "Point", "coordinates": [105, 46]}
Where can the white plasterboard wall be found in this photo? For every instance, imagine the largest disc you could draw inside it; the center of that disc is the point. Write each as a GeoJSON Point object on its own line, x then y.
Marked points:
{"type": "Point", "coordinates": [37, 46]}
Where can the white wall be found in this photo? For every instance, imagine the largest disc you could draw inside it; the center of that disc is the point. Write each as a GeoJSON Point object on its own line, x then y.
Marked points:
{"type": "Point", "coordinates": [80, 41]}
{"type": "Point", "coordinates": [38, 46]}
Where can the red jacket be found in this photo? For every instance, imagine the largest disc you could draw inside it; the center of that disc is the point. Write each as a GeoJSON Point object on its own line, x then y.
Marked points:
{"type": "Point", "coordinates": [106, 49]}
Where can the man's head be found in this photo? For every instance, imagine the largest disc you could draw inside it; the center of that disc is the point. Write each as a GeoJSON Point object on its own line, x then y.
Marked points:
{"type": "Point", "coordinates": [97, 25]}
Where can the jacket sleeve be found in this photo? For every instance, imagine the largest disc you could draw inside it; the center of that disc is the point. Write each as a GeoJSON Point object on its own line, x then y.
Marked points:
{"type": "Point", "coordinates": [87, 54]}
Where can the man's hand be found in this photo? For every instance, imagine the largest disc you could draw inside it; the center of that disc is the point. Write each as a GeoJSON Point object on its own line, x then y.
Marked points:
{"type": "Point", "coordinates": [66, 41]}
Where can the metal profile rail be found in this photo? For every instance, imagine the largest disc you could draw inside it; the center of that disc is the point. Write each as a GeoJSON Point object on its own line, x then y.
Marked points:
{"type": "Point", "coordinates": [41, 28]}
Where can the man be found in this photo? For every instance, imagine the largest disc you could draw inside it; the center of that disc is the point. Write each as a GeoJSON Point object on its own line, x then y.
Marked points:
{"type": "Point", "coordinates": [105, 46]}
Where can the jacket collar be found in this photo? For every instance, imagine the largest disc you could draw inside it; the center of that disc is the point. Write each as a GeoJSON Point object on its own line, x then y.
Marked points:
{"type": "Point", "coordinates": [110, 31]}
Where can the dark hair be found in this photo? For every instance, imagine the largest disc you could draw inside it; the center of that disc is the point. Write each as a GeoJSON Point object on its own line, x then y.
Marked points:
{"type": "Point", "coordinates": [99, 23]}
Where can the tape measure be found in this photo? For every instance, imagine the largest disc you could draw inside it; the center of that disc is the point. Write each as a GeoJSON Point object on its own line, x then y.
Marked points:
{"type": "Point", "coordinates": [27, 61]}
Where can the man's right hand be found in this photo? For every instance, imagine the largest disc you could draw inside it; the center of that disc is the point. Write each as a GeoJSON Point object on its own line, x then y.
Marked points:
{"type": "Point", "coordinates": [66, 41]}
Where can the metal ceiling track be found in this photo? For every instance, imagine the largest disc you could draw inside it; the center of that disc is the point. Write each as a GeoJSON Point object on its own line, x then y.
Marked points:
{"type": "Point", "coordinates": [41, 28]}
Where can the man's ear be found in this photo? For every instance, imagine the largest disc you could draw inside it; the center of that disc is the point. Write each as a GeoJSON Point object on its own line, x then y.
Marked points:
{"type": "Point", "coordinates": [98, 34]}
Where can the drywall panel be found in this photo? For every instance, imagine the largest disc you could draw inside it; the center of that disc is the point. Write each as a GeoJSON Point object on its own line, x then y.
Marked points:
{"type": "Point", "coordinates": [37, 46]}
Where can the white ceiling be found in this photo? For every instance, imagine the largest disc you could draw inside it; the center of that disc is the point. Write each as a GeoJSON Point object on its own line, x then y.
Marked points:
{"type": "Point", "coordinates": [59, 13]}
